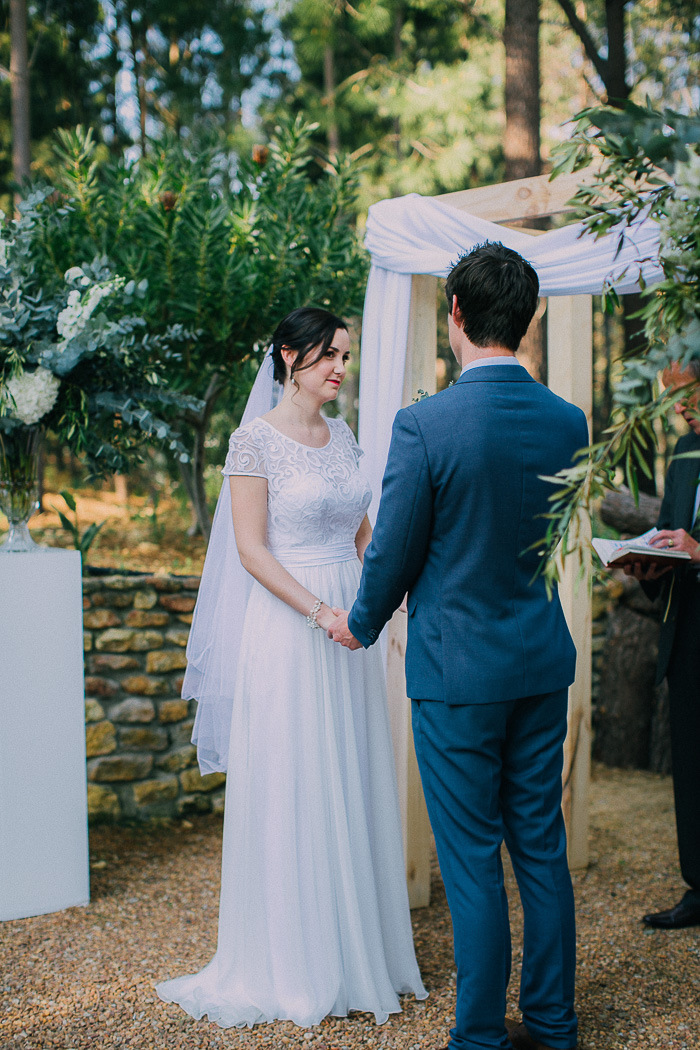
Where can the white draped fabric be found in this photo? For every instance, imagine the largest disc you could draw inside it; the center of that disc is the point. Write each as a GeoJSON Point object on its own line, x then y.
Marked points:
{"type": "Point", "coordinates": [421, 235]}
{"type": "Point", "coordinates": [217, 625]}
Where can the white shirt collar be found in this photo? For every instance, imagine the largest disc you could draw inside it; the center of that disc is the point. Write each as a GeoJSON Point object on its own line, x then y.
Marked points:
{"type": "Point", "coordinates": [480, 361]}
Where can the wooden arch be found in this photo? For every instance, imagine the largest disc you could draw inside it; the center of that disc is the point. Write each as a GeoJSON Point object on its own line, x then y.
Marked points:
{"type": "Point", "coordinates": [570, 374]}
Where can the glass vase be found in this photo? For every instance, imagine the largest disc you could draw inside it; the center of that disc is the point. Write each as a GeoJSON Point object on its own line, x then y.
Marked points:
{"type": "Point", "coordinates": [19, 485]}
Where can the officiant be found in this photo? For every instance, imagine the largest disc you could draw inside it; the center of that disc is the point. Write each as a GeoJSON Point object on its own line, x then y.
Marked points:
{"type": "Point", "coordinates": [679, 642]}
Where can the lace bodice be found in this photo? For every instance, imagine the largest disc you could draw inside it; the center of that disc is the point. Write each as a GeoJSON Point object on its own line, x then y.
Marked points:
{"type": "Point", "coordinates": [315, 496]}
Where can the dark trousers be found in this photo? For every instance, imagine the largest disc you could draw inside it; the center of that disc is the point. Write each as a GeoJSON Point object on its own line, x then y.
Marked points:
{"type": "Point", "coordinates": [492, 772]}
{"type": "Point", "coordinates": [683, 676]}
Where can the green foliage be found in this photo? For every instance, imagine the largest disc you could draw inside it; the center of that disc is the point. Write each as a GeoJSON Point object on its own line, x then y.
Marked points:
{"type": "Point", "coordinates": [191, 60]}
{"type": "Point", "coordinates": [599, 469]}
{"type": "Point", "coordinates": [82, 542]}
{"type": "Point", "coordinates": [651, 47]}
{"type": "Point", "coordinates": [76, 357]}
{"type": "Point", "coordinates": [221, 247]}
{"type": "Point", "coordinates": [61, 36]}
{"type": "Point", "coordinates": [410, 88]}
{"type": "Point", "coordinates": [133, 70]}
{"type": "Point", "coordinates": [217, 248]}
{"type": "Point", "coordinates": [648, 166]}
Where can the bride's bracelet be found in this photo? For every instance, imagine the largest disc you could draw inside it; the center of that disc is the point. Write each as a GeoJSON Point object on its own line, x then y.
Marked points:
{"type": "Point", "coordinates": [311, 618]}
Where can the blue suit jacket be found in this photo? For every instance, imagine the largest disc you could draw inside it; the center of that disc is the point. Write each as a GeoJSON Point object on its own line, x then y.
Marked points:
{"type": "Point", "coordinates": [460, 502]}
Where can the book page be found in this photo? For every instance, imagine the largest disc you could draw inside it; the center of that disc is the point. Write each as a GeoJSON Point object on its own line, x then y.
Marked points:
{"type": "Point", "coordinates": [618, 550]}
{"type": "Point", "coordinates": [605, 549]}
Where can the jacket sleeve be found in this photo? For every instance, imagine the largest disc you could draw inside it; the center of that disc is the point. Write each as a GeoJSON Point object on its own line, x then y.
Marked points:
{"type": "Point", "coordinates": [653, 588]}
{"type": "Point", "coordinates": [585, 438]}
{"type": "Point", "coordinates": [396, 555]}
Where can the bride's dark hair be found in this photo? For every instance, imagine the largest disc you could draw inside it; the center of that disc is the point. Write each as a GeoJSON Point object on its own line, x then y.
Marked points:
{"type": "Point", "coordinates": [303, 330]}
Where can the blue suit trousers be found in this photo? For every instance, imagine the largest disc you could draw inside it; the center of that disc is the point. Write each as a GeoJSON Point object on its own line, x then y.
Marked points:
{"type": "Point", "coordinates": [492, 773]}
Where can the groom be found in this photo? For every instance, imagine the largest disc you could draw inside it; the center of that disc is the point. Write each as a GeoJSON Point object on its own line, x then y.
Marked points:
{"type": "Point", "coordinates": [489, 657]}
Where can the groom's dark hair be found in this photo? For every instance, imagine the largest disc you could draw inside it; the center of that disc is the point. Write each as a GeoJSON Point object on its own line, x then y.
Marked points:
{"type": "Point", "coordinates": [497, 292]}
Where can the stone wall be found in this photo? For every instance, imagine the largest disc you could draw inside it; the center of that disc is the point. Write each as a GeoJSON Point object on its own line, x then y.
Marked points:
{"type": "Point", "coordinates": [602, 601]}
{"type": "Point", "coordinates": [140, 762]}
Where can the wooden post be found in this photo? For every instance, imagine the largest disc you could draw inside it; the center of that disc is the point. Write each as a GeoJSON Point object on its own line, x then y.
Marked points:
{"type": "Point", "coordinates": [570, 374]}
{"type": "Point", "coordinates": [419, 375]}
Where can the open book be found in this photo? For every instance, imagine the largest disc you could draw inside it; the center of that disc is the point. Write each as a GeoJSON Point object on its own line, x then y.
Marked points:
{"type": "Point", "coordinates": [638, 548]}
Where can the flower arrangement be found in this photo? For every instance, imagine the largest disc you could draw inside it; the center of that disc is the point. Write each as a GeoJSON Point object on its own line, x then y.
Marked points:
{"type": "Point", "coordinates": [78, 361]}
{"type": "Point", "coordinates": [32, 395]}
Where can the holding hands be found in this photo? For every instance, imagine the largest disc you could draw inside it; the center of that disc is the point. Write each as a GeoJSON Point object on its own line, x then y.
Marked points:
{"type": "Point", "coordinates": [340, 632]}
{"type": "Point", "coordinates": [325, 616]}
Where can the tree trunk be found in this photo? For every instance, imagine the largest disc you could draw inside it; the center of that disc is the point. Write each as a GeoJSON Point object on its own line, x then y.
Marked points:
{"type": "Point", "coordinates": [631, 723]}
{"type": "Point", "coordinates": [329, 91]}
{"type": "Point", "coordinates": [616, 86]}
{"type": "Point", "coordinates": [142, 111]}
{"type": "Point", "coordinates": [192, 473]}
{"type": "Point", "coordinates": [619, 510]}
{"type": "Point", "coordinates": [623, 714]}
{"type": "Point", "coordinates": [188, 484]}
{"type": "Point", "coordinates": [198, 490]}
{"type": "Point", "coordinates": [611, 68]}
{"type": "Point", "coordinates": [19, 88]}
{"type": "Point", "coordinates": [522, 138]}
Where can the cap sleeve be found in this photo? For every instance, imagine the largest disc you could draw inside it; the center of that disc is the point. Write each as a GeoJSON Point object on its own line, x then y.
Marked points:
{"type": "Point", "coordinates": [348, 438]}
{"type": "Point", "coordinates": [246, 454]}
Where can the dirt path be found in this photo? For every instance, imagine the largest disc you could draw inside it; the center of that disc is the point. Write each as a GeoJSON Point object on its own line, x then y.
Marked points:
{"type": "Point", "coordinates": [84, 978]}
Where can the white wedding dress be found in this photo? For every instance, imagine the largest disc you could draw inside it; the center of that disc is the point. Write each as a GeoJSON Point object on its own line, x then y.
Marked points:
{"type": "Point", "coordinates": [314, 915]}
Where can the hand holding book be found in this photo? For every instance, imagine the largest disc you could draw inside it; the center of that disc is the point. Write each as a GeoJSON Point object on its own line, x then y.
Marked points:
{"type": "Point", "coordinates": [655, 549]}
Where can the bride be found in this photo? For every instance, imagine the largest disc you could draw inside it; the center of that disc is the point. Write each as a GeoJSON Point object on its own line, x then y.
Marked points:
{"type": "Point", "coordinates": [314, 915]}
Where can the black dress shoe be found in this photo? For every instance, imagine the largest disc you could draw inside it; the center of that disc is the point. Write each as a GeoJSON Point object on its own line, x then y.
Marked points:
{"type": "Point", "coordinates": [685, 913]}
{"type": "Point", "coordinates": [521, 1038]}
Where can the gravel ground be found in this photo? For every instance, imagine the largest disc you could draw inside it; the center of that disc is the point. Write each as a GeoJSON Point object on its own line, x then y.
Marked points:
{"type": "Point", "coordinates": [84, 978]}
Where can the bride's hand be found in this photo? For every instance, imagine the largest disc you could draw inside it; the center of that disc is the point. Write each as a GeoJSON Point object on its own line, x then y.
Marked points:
{"type": "Point", "coordinates": [325, 617]}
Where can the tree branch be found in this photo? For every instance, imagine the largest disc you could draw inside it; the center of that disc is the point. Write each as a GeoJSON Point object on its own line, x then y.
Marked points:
{"type": "Point", "coordinates": [589, 46]}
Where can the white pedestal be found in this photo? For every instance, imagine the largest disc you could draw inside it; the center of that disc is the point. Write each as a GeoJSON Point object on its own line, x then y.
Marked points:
{"type": "Point", "coordinates": [43, 792]}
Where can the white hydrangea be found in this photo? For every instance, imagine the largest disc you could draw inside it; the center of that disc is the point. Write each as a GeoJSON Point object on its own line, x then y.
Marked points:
{"type": "Point", "coordinates": [32, 395]}
{"type": "Point", "coordinates": [73, 318]}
